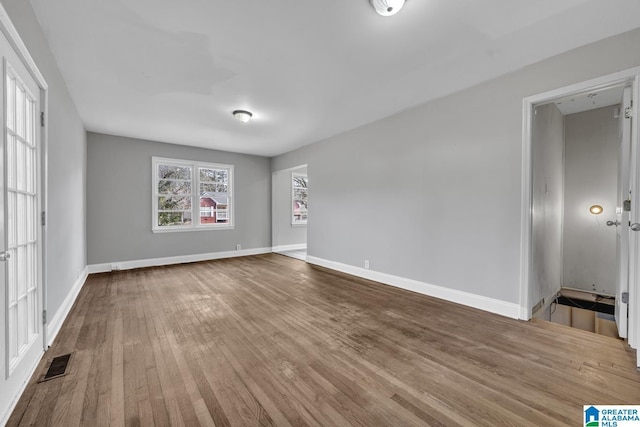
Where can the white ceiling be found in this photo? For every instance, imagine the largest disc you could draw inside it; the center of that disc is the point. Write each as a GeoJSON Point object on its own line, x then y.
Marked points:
{"type": "Point", "coordinates": [174, 71]}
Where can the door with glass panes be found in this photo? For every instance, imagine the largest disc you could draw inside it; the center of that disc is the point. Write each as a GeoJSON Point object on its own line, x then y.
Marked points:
{"type": "Point", "coordinates": [21, 234]}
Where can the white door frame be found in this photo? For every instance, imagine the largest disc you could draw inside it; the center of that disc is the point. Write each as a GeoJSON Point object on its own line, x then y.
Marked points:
{"type": "Point", "coordinates": [10, 32]}
{"type": "Point", "coordinates": [274, 214]}
{"type": "Point", "coordinates": [616, 79]}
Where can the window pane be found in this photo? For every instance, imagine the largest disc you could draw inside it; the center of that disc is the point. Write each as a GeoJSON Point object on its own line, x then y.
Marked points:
{"type": "Point", "coordinates": [22, 224]}
{"type": "Point", "coordinates": [214, 210]}
{"type": "Point", "coordinates": [30, 110]}
{"type": "Point", "coordinates": [31, 213]}
{"type": "Point", "coordinates": [11, 102]}
{"type": "Point", "coordinates": [13, 331]}
{"type": "Point", "coordinates": [300, 197]}
{"type": "Point", "coordinates": [12, 160]}
{"type": "Point", "coordinates": [299, 181]}
{"type": "Point", "coordinates": [214, 188]}
{"type": "Point", "coordinates": [208, 188]}
{"type": "Point", "coordinates": [12, 215]}
{"type": "Point", "coordinates": [174, 172]}
{"type": "Point", "coordinates": [30, 162]}
{"type": "Point", "coordinates": [174, 203]}
{"type": "Point", "coordinates": [22, 270]}
{"type": "Point", "coordinates": [166, 219]}
{"type": "Point", "coordinates": [174, 187]}
{"type": "Point", "coordinates": [214, 175]}
{"type": "Point", "coordinates": [31, 324]}
{"type": "Point", "coordinates": [20, 99]}
{"type": "Point", "coordinates": [30, 282]}
{"type": "Point", "coordinates": [214, 180]}
{"type": "Point", "coordinates": [300, 207]}
{"type": "Point", "coordinates": [12, 276]}
{"type": "Point", "coordinates": [21, 181]}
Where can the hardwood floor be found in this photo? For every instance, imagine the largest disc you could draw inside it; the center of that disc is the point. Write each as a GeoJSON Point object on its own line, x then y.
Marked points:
{"type": "Point", "coordinates": [269, 340]}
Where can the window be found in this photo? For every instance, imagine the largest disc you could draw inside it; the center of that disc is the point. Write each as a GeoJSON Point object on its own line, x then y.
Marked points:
{"type": "Point", "coordinates": [191, 195]}
{"type": "Point", "coordinates": [299, 183]}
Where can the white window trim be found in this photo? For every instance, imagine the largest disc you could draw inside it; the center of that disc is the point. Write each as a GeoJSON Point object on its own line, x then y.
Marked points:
{"type": "Point", "coordinates": [195, 202]}
{"type": "Point", "coordinates": [295, 223]}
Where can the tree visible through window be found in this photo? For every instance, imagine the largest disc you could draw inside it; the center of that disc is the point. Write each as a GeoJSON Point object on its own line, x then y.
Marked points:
{"type": "Point", "coordinates": [191, 195]}
{"type": "Point", "coordinates": [174, 195]}
{"type": "Point", "coordinates": [299, 184]}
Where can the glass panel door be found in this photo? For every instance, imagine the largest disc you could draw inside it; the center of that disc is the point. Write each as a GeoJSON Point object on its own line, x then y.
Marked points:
{"type": "Point", "coordinates": [21, 215]}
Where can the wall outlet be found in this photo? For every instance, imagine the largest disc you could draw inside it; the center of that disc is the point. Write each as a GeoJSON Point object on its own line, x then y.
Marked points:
{"type": "Point", "coordinates": [366, 264]}
{"type": "Point", "coordinates": [238, 247]}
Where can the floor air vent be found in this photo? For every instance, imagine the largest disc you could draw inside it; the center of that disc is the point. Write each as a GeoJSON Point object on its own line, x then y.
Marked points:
{"type": "Point", "coordinates": [58, 367]}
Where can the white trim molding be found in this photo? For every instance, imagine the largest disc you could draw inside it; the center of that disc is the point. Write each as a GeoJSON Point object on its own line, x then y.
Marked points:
{"type": "Point", "coordinates": [180, 259]}
{"type": "Point", "coordinates": [480, 302]}
{"type": "Point", "coordinates": [13, 388]}
{"type": "Point", "coordinates": [284, 248]}
{"type": "Point", "coordinates": [55, 324]}
{"type": "Point", "coordinates": [14, 38]}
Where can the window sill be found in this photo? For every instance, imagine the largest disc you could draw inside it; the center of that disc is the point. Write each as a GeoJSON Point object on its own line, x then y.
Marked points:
{"type": "Point", "coordinates": [187, 229]}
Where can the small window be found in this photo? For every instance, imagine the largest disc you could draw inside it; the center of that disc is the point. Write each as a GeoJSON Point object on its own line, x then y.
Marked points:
{"type": "Point", "coordinates": [191, 195]}
{"type": "Point", "coordinates": [300, 208]}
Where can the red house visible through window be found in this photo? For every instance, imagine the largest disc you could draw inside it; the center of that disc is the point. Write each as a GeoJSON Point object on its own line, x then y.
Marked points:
{"type": "Point", "coordinates": [213, 211]}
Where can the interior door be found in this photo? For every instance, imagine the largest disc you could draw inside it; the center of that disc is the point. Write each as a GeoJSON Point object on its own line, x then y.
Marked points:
{"type": "Point", "coordinates": [622, 229]}
{"type": "Point", "coordinates": [20, 238]}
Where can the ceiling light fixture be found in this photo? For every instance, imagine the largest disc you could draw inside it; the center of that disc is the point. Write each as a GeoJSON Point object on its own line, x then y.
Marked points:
{"type": "Point", "coordinates": [596, 209]}
{"type": "Point", "coordinates": [242, 115]}
{"type": "Point", "coordinates": [387, 7]}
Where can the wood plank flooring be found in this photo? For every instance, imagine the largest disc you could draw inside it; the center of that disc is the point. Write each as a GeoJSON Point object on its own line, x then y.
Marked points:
{"type": "Point", "coordinates": [270, 340]}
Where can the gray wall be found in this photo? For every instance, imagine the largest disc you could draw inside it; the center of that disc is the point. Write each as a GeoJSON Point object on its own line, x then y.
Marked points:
{"type": "Point", "coordinates": [451, 169]}
{"type": "Point", "coordinates": [283, 232]}
{"type": "Point", "coordinates": [548, 185]}
{"type": "Point", "coordinates": [119, 202]}
{"type": "Point", "coordinates": [66, 228]}
{"type": "Point", "coordinates": [591, 178]}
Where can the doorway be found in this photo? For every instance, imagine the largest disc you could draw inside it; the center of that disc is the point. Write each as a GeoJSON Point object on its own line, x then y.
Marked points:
{"type": "Point", "coordinates": [290, 211]}
{"type": "Point", "coordinates": [579, 239]}
{"type": "Point", "coordinates": [579, 164]}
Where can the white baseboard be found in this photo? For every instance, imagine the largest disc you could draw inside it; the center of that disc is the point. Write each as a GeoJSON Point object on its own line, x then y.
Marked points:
{"type": "Point", "coordinates": [54, 325]}
{"type": "Point", "coordinates": [181, 259]}
{"type": "Point", "coordinates": [492, 305]}
{"type": "Point", "coordinates": [284, 248]}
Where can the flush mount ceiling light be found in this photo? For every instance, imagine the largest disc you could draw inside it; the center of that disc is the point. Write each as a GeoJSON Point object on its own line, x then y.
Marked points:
{"type": "Point", "coordinates": [242, 115]}
{"type": "Point", "coordinates": [596, 209]}
{"type": "Point", "coordinates": [387, 7]}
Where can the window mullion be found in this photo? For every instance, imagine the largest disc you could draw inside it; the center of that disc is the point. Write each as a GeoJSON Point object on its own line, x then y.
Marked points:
{"type": "Point", "coordinates": [195, 205]}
